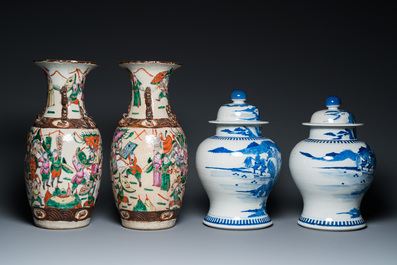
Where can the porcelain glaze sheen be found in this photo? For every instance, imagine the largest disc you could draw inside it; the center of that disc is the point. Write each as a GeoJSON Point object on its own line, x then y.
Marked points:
{"type": "Point", "coordinates": [63, 163]}
{"type": "Point", "coordinates": [333, 170]}
{"type": "Point", "coordinates": [149, 151]}
{"type": "Point", "coordinates": [238, 168]}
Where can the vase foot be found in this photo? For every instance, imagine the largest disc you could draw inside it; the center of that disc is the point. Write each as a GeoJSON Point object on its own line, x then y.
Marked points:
{"type": "Point", "coordinates": [61, 224]}
{"type": "Point", "coordinates": [334, 225]}
{"type": "Point", "coordinates": [157, 225]}
{"type": "Point", "coordinates": [240, 224]}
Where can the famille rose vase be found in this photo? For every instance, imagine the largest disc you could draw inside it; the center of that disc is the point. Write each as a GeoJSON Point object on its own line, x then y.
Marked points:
{"type": "Point", "coordinates": [238, 167]}
{"type": "Point", "coordinates": [333, 170]}
{"type": "Point", "coordinates": [63, 162]}
{"type": "Point", "coordinates": [149, 159]}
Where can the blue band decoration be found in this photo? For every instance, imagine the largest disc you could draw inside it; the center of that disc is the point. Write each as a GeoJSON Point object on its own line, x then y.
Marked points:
{"type": "Point", "coordinates": [332, 141]}
{"type": "Point", "coordinates": [236, 138]}
{"type": "Point", "coordinates": [331, 223]}
{"type": "Point", "coordinates": [243, 222]}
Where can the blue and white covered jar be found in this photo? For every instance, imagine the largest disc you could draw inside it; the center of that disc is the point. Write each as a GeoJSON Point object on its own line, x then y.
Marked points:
{"type": "Point", "coordinates": [238, 167]}
{"type": "Point", "coordinates": [333, 170]}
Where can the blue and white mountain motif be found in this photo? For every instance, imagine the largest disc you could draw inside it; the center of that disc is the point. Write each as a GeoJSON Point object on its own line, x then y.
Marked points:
{"type": "Point", "coordinates": [337, 114]}
{"type": "Point", "coordinates": [347, 134]}
{"type": "Point", "coordinates": [364, 159]}
{"type": "Point", "coordinates": [255, 174]}
{"type": "Point", "coordinates": [244, 131]}
{"type": "Point", "coordinates": [249, 113]}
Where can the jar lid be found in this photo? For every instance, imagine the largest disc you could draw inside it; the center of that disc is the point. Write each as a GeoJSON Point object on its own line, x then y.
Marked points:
{"type": "Point", "coordinates": [238, 112]}
{"type": "Point", "coordinates": [332, 117]}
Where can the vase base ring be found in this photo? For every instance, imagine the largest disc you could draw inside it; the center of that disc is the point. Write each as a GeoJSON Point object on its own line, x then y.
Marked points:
{"type": "Point", "coordinates": [331, 225]}
{"type": "Point", "coordinates": [61, 224]}
{"type": "Point", "coordinates": [232, 224]}
{"type": "Point", "coordinates": [156, 225]}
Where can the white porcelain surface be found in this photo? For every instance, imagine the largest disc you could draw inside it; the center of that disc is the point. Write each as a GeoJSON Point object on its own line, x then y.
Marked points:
{"type": "Point", "coordinates": [332, 170]}
{"type": "Point", "coordinates": [238, 168]}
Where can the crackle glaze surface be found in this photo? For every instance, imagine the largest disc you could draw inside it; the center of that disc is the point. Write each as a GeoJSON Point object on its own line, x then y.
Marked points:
{"type": "Point", "coordinates": [63, 163]}
{"type": "Point", "coordinates": [149, 159]}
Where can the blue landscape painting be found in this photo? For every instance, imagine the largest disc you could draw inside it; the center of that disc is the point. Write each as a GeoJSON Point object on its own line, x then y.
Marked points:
{"type": "Point", "coordinates": [347, 134]}
{"type": "Point", "coordinates": [350, 181]}
{"type": "Point", "coordinates": [252, 131]}
{"type": "Point", "coordinates": [254, 176]}
{"type": "Point", "coordinates": [337, 114]}
{"type": "Point", "coordinates": [364, 159]}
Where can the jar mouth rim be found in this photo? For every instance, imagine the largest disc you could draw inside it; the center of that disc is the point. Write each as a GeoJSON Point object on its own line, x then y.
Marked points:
{"type": "Point", "coordinates": [65, 61]}
{"type": "Point", "coordinates": [149, 62]}
{"type": "Point", "coordinates": [239, 122]}
{"type": "Point", "coordinates": [332, 124]}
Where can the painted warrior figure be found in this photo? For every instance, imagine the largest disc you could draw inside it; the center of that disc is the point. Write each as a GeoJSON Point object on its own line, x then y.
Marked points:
{"type": "Point", "coordinates": [175, 198]}
{"type": "Point", "coordinates": [166, 142]}
{"type": "Point", "coordinates": [82, 173]}
{"type": "Point", "coordinates": [137, 85]}
{"type": "Point", "coordinates": [156, 173]}
{"type": "Point", "coordinates": [133, 168]}
{"type": "Point", "coordinates": [45, 168]}
{"type": "Point", "coordinates": [165, 176]}
{"type": "Point", "coordinates": [161, 80]}
{"type": "Point", "coordinates": [58, 163]}
{"type": "Point", "coordinates": [123, 186]}
{"type": "Point", "coordinates": [36, 196]}
{"type": "Point", "coordinates": [74, 89]}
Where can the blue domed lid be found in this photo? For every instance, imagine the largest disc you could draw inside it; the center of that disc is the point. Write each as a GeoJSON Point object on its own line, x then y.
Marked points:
{"type": "Point", "coordinates": [238, 112]}
{"type": "Point", "coordinates": [333, 116]}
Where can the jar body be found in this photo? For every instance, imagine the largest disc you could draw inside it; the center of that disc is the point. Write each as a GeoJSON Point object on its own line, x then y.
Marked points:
{"type": "Point", "coordinates": [238, 174]}
{"type": "Point", "coordinates": [332, 176]}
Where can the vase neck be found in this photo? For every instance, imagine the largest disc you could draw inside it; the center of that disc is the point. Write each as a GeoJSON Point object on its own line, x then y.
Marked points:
{"type": "Point", "coordinates": [149, 90]}
{"type": "Point", "coordinates": [329, 133]}
{"type": "Point", "coordinates": [65, 98]}
{"type": "Point", "coordinates": [239, 130]}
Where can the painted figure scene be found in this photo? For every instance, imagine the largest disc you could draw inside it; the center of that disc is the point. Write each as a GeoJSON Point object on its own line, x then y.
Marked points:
{"type": "Point", "coordinates": [57, 178]}
{"type": "Point", "coordinates": [146, 179]}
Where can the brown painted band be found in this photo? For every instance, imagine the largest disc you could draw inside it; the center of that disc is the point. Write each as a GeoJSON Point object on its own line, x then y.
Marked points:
{"type": "Point", "coordinates": [156, 216]}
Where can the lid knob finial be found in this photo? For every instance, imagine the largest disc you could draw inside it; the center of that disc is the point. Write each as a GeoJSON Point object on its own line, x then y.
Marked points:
{"type": "Point", "coordinates": [332, 102]}
{"type": "Point", "coordinates": [238, 96]}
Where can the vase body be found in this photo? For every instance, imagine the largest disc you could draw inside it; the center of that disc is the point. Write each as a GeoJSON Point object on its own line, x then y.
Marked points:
{"type": "Point", "coordinates": [332, 169]}
{"type": "Point", "coordinates": [149, 159]}
{"type": "Point", "coordinates": [238, 168]}
{"type": "Point", "coordinates": [63, 163]}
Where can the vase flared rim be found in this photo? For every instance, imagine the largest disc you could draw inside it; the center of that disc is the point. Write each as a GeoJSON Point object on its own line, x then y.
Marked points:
{"type": "Point", "coordinates": [149, 62]}
{"type": "Point", "coordinates": [65, 61]}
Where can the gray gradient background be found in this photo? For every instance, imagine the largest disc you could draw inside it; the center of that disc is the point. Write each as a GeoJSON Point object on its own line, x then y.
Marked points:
{"type": "Point", "coordinates": [287, 56]}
